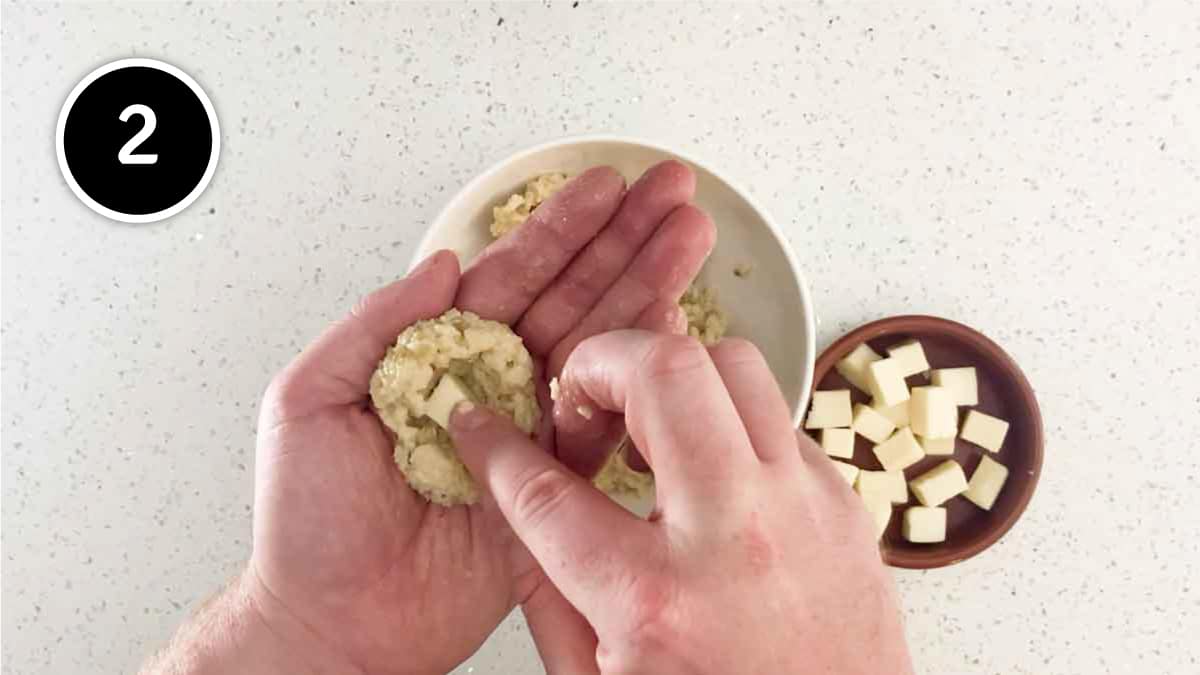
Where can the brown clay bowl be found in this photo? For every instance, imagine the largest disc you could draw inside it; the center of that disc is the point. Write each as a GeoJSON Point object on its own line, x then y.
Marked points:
{"type": "Point", "coordinates": [1003, 392]}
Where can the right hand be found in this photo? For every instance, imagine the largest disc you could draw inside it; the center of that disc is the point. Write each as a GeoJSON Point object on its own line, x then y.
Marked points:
{"type": "Point", "coordinates": [758, 558]}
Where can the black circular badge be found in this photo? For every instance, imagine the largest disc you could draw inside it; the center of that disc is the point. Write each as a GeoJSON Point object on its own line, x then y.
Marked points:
{"type": "Point", "coordinates": [138, 140]}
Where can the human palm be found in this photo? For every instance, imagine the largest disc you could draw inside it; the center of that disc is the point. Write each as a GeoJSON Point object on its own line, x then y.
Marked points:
{"type": "Point", "coordinates": [367, 569]}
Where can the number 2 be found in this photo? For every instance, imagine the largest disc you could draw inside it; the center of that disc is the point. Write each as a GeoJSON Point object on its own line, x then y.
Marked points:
{"type": "Point", "coordinates": [125, 155]}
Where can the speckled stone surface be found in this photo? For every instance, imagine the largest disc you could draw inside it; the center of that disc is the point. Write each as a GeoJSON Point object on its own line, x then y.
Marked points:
{"type": "Point", "coordinates": [1031, 171]}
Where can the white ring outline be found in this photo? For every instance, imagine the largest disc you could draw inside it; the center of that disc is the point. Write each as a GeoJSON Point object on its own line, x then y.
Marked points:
{"type": "Point", "coordinates": [182, 204]}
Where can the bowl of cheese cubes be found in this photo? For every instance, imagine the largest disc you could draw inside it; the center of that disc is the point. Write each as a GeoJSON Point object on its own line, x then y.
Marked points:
{"type": "Point", "coordinates": [937, 430]}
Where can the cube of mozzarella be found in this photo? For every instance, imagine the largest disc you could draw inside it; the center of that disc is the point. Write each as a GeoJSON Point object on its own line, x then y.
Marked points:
{"type": "Point", "coordinates": [900, 451]}
{"type": "Point", "coordinates": [888, 484]}
{"type": "Point", "coordinates": [986, 482]}
{"type": "Point", "coordinates": [939, 484]}
{"type": "Point", "coordinates": [853, 366]}
{"type": "Point", "coordinates": [838, 442]}
{"type": "Point", "coordinates": [961, 383]}
{"type": "Point", "coordinates": [898, 413]}
{"type": "Point", "coordinates": [870, 424]}
{"type": "Point", "coordinates": [911, 357]}
{"type": "Point", "coordinates": [881, 512]}
{"type": "Point", "coordinates": [924, 524]}
{"type": "Point", "coordinates": [932, 413]}
{"type": "Point", "coordinates": [937, 446]}
{"type": "Point", "coordinates": [448, 393]}
{"type": "Point", "coordinates": [984, 430]}
{"type": "Point", "coordinates": [885, 378]}
{"type": "Point", "coordinates": [829, 409]}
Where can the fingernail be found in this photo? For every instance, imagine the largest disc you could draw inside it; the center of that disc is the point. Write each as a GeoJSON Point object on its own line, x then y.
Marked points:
{"type": "Point", "coordinates": [679, 320]}
{"type": "Point", "coordinates": [425, 265]}
{"type": "Point", "coordinates": [467, 416]}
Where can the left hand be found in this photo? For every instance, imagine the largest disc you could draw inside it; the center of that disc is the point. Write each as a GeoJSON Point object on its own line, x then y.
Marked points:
{"type": "Point", "coordinates": [347, 559]}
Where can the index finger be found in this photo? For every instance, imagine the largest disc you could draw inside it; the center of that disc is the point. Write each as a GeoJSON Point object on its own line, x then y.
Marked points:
{"type": "Point", "coordinates": [676, 408]}
{"type": "Point", "coordinates": [509, 275]}
{"type": "Point", "coordinates": [598, 434]}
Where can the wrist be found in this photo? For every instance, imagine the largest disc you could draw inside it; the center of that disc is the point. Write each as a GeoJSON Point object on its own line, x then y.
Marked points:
{"type": "Point", "coordinates": [284, 638]}
{"type": "Point", "coordinates": [242, 629]}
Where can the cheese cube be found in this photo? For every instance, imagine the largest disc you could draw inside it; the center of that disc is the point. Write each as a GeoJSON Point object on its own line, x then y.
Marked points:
{"type": "Point", "coordinates": [961, 383]}
{"type": "Point", "coordinates": [853, 366]}
{"type": "Point", "coordinates": [984, 430]}
{"type": "Point", "coordinates": [886, 382]}
{"type": "Point", "coordinates": [937, 446]}
{"type": "Point", "coordinates": [940, 483]}
{"type": "Point", "coordinates": [900, 451]}
{"type": "Point", "coordinates": [898, 413]}
{"type": "Point", "coordinates": [448, 393]}
{"type": "Point", "coordinates": [881, 512]}
{"type": "Point", "coordinates": [924, 524]}
{"type": "Point", "coordinates": [829, 409]}
{"type": "Point", "coordinates": [911, 357]}
{"type": "Point", "coordinates": [838, 442]}
{"type": "Point", "coordinates": [889, 484]}
{"type": "Point", "coordinates": [932, 412]}
{"type": "Point", "coordinates": [870, 424]}
{"type": "Point", "coordinates": [847, 471]}
{"type": "Point", "coordinates": [985, 483]}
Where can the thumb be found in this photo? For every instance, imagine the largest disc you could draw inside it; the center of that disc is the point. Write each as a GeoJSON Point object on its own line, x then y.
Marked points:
{"type": "Point", "coordinates": [336, 369]}
{"type": "Point", "coordinates": [584, 542]}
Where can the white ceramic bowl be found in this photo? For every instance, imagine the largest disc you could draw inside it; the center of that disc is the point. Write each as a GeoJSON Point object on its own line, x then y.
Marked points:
{"type": "Point", "coordinates": [771, 306]}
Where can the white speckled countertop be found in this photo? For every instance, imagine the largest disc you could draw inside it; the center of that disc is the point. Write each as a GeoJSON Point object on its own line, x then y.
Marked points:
{"type": "Point", "coordinates": [1033, 172]}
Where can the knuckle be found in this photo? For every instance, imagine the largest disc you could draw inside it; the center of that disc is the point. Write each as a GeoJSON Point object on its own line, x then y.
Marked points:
{"type": "Point", "coordinates": [539, 494]}
{"type": "Point", "coordinates": [283, 395]}
{"type": "Point", "coordinates": [674, 355]}
{"type": "Point", "coordinates": [651, 627]}
{"type": "Point", "coordinates": [648, 603]}
{"type": "Point", "coordinates": [583, 284]}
